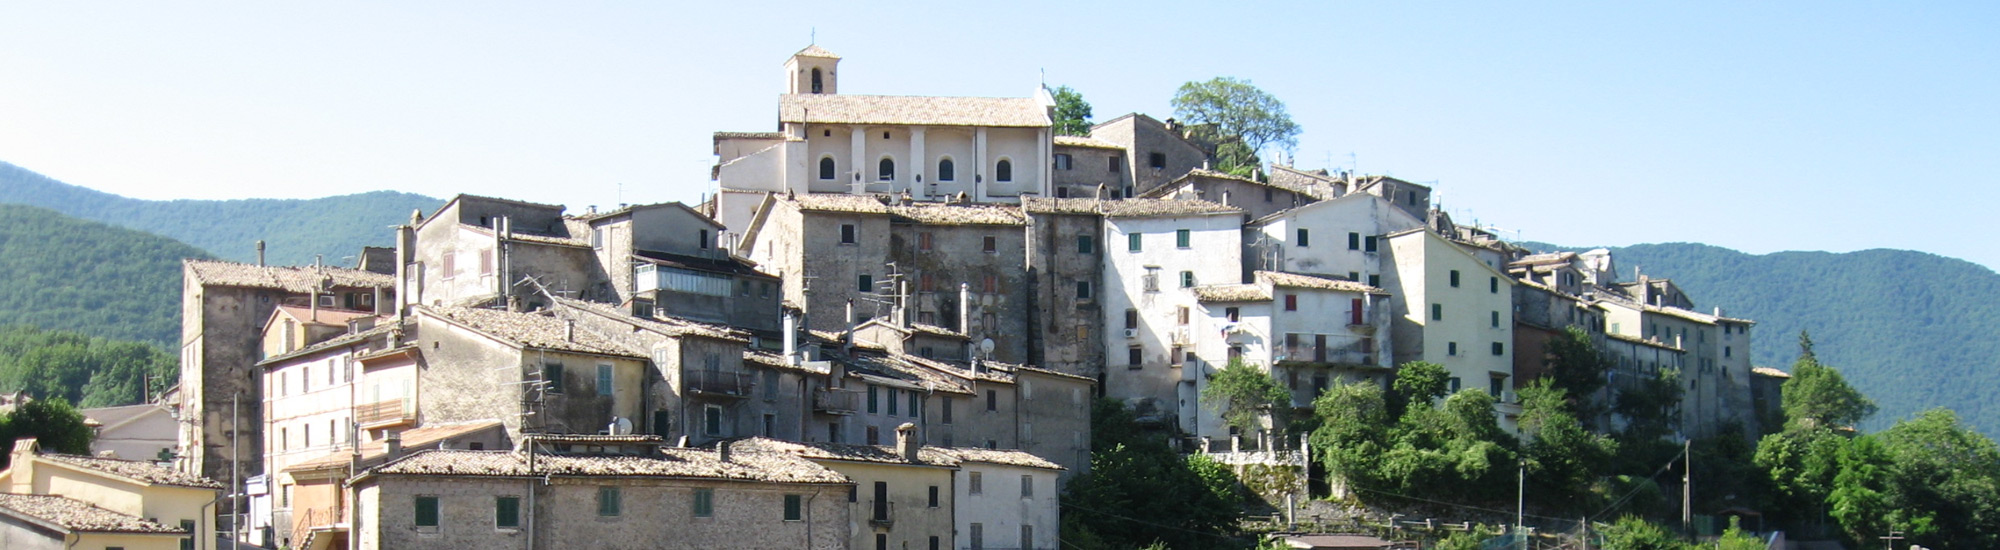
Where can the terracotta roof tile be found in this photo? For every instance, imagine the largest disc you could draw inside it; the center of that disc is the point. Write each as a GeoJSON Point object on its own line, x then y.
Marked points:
{"type": "Point", "coordinates": [416, 438]}
{"type": "Point", "coordinates": [1295, 280]}
{"type": "Point", "coordinates": [1240, 292]}
{"type": "Point", "coordinates": [1081, 141]}
{"type": "Point", "coordinates": [1021, 112]}
{"type": "Point", "coordinates": [300, 280]}
{"type": "Point", "coordinates": [136, 469]}
{"type": "Point", "coordinates": [1143, 208]}
{"type": "Point", "coordinates": [959, 214]}
{"type": "Point", "coordinates": [539, 330]}
{"type": "Point", "coordinates": [835, 202]}
{"type": "Point", "coordinates": [816, 51]}
{"type": "Point", "coordinates": [931, 456]}
{"type": "Point", "coordinates": [79, 516]}
{"type": "Point", "coordinates": [670, 463]}
{"type": "Point", "coordinates": [1001, 456]}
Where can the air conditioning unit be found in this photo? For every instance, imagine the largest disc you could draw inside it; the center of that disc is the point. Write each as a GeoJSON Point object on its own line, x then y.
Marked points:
{"type": "Point", "coordinates": [1131, 333]}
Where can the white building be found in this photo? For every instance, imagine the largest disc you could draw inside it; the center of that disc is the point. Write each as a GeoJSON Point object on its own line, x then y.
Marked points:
{"type": "Point", "coordinates": [990, 149]}
{"type": "Point", "coordinates": [1155, 253]}
{"type": "Point", "coordinates": [1307, 331]}
{"type": "Point", "coordinates": [1338, 237]}
{"type": "Point", "coordinates": [1005, 499]}
{"type": "Point", "coordinates": [1454, 310]}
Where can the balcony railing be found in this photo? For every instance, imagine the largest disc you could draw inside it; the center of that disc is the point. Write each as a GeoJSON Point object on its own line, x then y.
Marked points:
{"type": "Point", "coordinates": [883, 515]}
{"type": "Point", "coordinates": [717, 382]}
{"type": "Point", "coordinates": [1352, 351]}
{"type": "Point", "coordinates": [836, 401]}
{"type": "Point", "coordinates": [380, 414]}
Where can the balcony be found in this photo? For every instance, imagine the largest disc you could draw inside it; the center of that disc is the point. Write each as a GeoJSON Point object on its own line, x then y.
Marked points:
{"type": "Point", "coordinates": [384, 414]}
{"type": "Point", "coordinates": [715, 382]}
{"type": "Point", "coordinates": [1351, 351]}
{"type": "Point", "coordinates": [836, 401]}
{"type": "Point", "coordinates": [883, 515]}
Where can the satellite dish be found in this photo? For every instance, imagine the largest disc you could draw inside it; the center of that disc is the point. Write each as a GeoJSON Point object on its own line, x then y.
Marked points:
{"type": "Point", "coordinates": [986, 347]}
{"type": "Point", "coordinates": [620, 426]}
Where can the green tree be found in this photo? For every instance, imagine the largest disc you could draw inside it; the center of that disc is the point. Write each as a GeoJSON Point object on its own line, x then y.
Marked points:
{"type": "Point", "coordinates": [1235, 121]}
{"type": "Point", "coordinates": [1072, 112]}
{"type": "Point", "coordinates": [1859, 498]}
{"type": "Point", "coordinates": [53, 421]}
{"type": "Point", "coordinates": [1735, 538]}
{"type": "Point", "coordinates": [1353, 432]}
{"type": "Point", "coordinates": [1944, 482]}
{"type": "Point", "coordinates": [1577, 369]}
{"type": "Point", "coordinates": [1564, 458]}
{"type": "Point", "coordinates": [1633, 533]}
{"type": "Point", "coordinates": [1817, 395]}
{"type": "Point", "coordinates": [1418, 382]}
{"type": "Point", "coordinates": [1242, 395]}
{"type": "Point", "coordinates": [1801, 465]}
{"type": "Point", "coordinates": [1140, 492]}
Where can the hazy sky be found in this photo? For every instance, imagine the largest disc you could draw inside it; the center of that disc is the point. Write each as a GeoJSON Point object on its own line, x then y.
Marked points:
{"type": "Point", "coordinates": [1760, 126]}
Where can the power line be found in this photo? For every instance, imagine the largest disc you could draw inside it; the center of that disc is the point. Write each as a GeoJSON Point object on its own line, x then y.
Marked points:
{"type": "Point", "coordinates": [1456, 505]}
{"type": "Point", "coordinates": [1144, 522]}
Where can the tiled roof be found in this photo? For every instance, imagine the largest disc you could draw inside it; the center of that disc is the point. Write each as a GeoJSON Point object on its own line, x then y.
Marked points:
{"type": "Point", "coordinates": [670, 463]}
{"type": "Point", "coordinates": [539, 330]}
{"type": "Point", "coordinates": [959, 214]}
{"type": "Point", "coordinates": [1021, 112]}
{"type": "Point", "coordinates": [777, 361]}
{"type": "Point", "coordinates": [135, 469]}
{"type": "Point", "coordinates": [300, 280]}
{"type": "Point", "coordinates": [412, 439]}
{"type": "Point", "coordinates": [79, 516]}
{"type": "Point", "coordinates": [731, 265]}
{"type": "Point", "coordinates": [1545, 259]}
{"type": "Point", "coordinates": [1001, 456]}
{"type": "Point", "coordinates": [1041, 205]}
{"type": "Point", "coordinates": [1771, 372]}
{"type": "Point", "coordinates": [598, 439]}
{"type": "Point", "coordinates": [816, 51]}
{"type": "Point", "coordinates": [1697, 317]}
{"type": "Point", "coordinates": [1295, 280]}
{"type": "Point", "coordinates": [931, 456]}
{"type": "Point", "coordinates": [1081, 141]}
{"type": "Point", "coordinates": [1238, 292]}
{"type": "Point", "coordinates": [749, 135]}
{"type": "Point", "coordinates": [1640, 341]}
{"type": "Point", "coordinates": [571, 226]}
{"type": "Point", "coordinates": [835, 202]}
{"type": "Point", "coordinates": [670, 326]}
{"type": "Point", "coordinates": [935, 330]}
{"type": "Point", "coordinates": [1142, 208]}
{"type": "Point", "coordinates": [337, 341]}
{"type": "Point", "coordinates": [323, 316]}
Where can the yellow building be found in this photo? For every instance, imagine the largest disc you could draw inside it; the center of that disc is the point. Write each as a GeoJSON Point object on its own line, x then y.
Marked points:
{"type": "Point", "coordinates": [70, 501]}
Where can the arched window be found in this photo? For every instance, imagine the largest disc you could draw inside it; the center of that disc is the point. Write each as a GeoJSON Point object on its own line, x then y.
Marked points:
{"type": "Point", "coordinates": [945, 169]}
{"type": "Point", "coordinates": [826, 168]}
{"type": "Point", "coordinates": [1004, 171]}
{"type": "Point", "coordinates": [818, 87]}
{"type": "Point", "coordinates": [886, 170]}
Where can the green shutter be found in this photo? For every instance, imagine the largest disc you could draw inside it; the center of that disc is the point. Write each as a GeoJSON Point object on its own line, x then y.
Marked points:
{"type": "Point", "coordinates": [794, 509]}
{"type": "Point", "coordinates": [507, 512]}
{"type": "Point", "coordinates": [427, 511]}
{"type": "Point", "coordinates": [607, 501]}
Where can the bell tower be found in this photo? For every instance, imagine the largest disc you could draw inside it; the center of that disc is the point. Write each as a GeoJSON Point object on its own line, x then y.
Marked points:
{"type": "Point", "coordinates": [811, 71]}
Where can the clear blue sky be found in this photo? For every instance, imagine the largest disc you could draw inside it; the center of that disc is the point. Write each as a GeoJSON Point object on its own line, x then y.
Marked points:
{"type": "Point", "coordinates": [1760, 126]}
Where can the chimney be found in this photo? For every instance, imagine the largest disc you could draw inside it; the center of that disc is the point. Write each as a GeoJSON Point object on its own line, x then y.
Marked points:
{"type": "Point", "coordinates": [847, 332]}
{"type": "Point", "coordinates": [392, 446]}
{"type": "Point", "coordinates": [791, 338]}
{"type": "Point", "coordinates": [906, 442]}
{"type": "Point", "coordinates": [903, 303]}
{"type": "Point", "coordinates": [569, 330]}
{"type": "Point", "coordinates": [260, 253]}
{"type": "Point", "coordinates": [965, 308]}
{"type": "Point", "coordinates": [1100, 191]}
{"type": "Point", "coordinates": [402, 268]}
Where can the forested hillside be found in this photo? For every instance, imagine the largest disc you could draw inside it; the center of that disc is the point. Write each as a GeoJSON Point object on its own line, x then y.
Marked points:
{"type": "Point", "coordinates": [59, 272]}
{"type": "Point", "coordinates": [1911, 330]}
{"type": "Point", "coordinates": [90, 372]}
{"type": "Point", "coordinates": [294, 230]}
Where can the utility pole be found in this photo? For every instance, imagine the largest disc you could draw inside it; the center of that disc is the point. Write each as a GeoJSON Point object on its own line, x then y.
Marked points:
{"type": "Point", "coordinates": [1687, 486]}
{"type": "Point", "coordinates": [1521, 501]}
{"type": "Point", "coordinates": [1889, 540]}
{"type": "Point", "coordinates": [235, 474]}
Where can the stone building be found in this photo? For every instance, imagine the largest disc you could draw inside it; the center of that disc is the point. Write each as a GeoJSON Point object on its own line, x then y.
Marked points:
{"type": "Point", "coordinates": [987, 149]}
{"type": "Point", "coordinates": [50, 500]}
{"type": "Point", "coordinates": [475, 250]}
{"type": "Point", "coordinates": [1308, 332]}
{"type": "Point", "coordinates": [1065, 279]}
{"type": "Point", "coordinates": [1156, 152]}
{"type": "Point", "coordinates": [312, 507]}
{"type": "Point", "coordinates": [1088, 168]}
{"type": "Point", "coordinates": [224, 308]}
{"type": "Point", "coordinates": [611, 491]}
{"type": "Point", "coordinates": [1257, 198]}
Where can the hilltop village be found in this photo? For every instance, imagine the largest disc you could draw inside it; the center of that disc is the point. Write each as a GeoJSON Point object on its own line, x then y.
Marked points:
{"type": "Point", "coordinates": [886, 328]}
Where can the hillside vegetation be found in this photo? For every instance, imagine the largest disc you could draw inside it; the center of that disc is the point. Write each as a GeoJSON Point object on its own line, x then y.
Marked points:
{"type": "Point", "coordinates": [1911, 330]}
{"type": "Point", "coordinates": [294, 229]}
{"type": "Point", "coordinates": [59, 272]}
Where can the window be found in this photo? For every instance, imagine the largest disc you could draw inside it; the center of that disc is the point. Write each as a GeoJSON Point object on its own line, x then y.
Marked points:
{"type": "Point", "coordinates": [1305, 238]}
{"type": "Point", "coordinates": [990, 244]}
{"type": "Point", "coordinates": [1354, 276]}
{"type": "Point", "coordinates": [506, 512]}
{"type": "Point", "coordinates": [1116, 161]}
{"type": "Point", "coordinates": [916, 404]}
{"type": "Point", "coordinates": [1493, 285]}
{"type": "Point", "coordinates": [1353, 241]}
{"type": "Point", "coordinates": [881, 541]}
{"type": "Point", "coordinates": [1451, 348]}
{"type": "Point", "coordinates": [1368, 243]}
{"type": "Point", "coordinates": [1453, 385]}
{"type": "Point", "coordinates": [1003, 171]}
{"type": "Point", "coordinates": [1181, 313]}
{"type": "Point", "coordinates": [1499, 348]}
{"type": "Point", "coordinates": [1494, 384]}
{"type": "Point", "coordinates": [924, 241]}
{"type": "Point", "coordinates": [946, 170]}
{"type": "Point", "coordinates": [1027, 486]}
{"type": "Point", "coordinates": [1027, 537]}
{"type": "Point", "coordinates": [1454, 278]}
{"type": "Point", "coordinates": [427, 511]}
{"type": "Point", "coordinates": [989, 284]}
{"type": "Point", "coordinates": [864, 283]}
{"type": "Point", "coordinates": [974, 484]}
{"type": "Point", "coordinates": [1375, 281]}
{"type": "Point", "coordinates": [933, 501]}
{"type": "Point", "coordinates": [1156, 160]}
{"type": "Point", "coordinates": [874, 399]}
{"type": "Point", "coordinates": [1235, 315]}
{"type": "Point", "coordinates": [1083, 290]}
{"type": "Point", "coordinates": [1133, 241]}
{"type": "Point", "coordinates": [1085, 245]}
{"type": "Point", "coordinates": [1496, 319]}
{"type": "Point", "coordinates": [826, 168]}
{"type": "Point", "coordinates": [886, 169]}
{"type": "Point", "coordinates": [1131, 318]}
{"type": "Point", "coordinates": [894, 396]}
{"type": "Point", "coordinates": [1134, 356]}
{"type": "Point", "coordinates": [603, 379]}
{"type": "Point", "coordinates": [711, 420]}
{"type": "Point", "coordinates": [818, 85]}
{"type": "Point", "coordinates": [934, 543]}
{"type": "Point", "coordinates": [1062, 161]}
{"type": "Point", "coordinates": [704, 503]}
{"type": "Point", "coordinates": [846, 233]}
{"type": "Point", "coordinates": [1182, 238]}
{"type": "Point", "coordinates": [794, 508]}
{"type": "Point", "coordinates": [944, 415]}
{"type": "Point", "coordinates": [1267, 194]}
{"type": "Point", "coordinates": [1291, 302]}
{"type": "Point", "coordinates": [881, 500]}
{"type": "Point", "coordinates": [1437, 312]}
{"type": "Point", "coordinates": [1187, 279]}
{"type": "Point", "coordinates": [992, 400]}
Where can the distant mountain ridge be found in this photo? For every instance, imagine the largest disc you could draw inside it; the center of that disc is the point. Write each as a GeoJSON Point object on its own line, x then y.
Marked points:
{"type": "Point", "coordinates": [1912, 330]}
{"type": "Point", "coordinates": [295, 230]}
{"type": "Point", "coordinates": [63, 273]}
